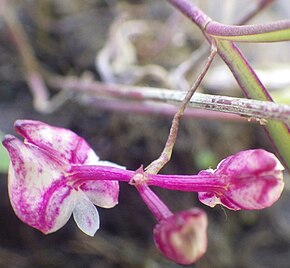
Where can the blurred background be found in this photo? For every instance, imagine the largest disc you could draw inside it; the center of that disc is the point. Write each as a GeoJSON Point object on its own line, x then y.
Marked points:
{"type": "Point", "coordinates": [141, 43]}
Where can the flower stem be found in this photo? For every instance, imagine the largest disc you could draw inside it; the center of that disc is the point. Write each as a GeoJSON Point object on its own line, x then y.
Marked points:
{"type": "Point", "coordinates": [187, 183]}
{"type": "Point", "coordinates": [95, 172]}
{"type": "Point", "coordinates": [153, 202]}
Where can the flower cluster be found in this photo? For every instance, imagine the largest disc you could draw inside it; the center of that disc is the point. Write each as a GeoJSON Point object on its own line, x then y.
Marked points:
{"type": "Point", "coordinates": [55, 174]}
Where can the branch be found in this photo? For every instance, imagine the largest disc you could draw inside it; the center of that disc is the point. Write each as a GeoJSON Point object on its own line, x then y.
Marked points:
{"type": "Point", "coordinates": [91, 92]}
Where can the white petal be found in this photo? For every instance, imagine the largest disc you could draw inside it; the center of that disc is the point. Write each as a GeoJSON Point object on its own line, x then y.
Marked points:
{"type": "Point", "coordinates": [104, 194]}
{"type": "Point", "coordinates": [86, 216]}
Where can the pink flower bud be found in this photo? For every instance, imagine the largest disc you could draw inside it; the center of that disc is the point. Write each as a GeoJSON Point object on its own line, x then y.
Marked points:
{"type": "Point", "coordinates": [42, 193]}
{"type": "Point", "coordinates": [182, 237]}
{"type": "Point", "coordinates": [252, 179]}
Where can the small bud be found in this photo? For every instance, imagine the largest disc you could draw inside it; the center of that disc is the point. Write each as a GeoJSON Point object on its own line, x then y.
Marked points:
{"type": "Point", "coordinates": [182, 237]}
{"type": "Point", "coordinates": [253, 179]}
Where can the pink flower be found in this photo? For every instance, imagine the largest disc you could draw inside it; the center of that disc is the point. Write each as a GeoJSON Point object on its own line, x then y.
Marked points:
{"type": "Point", "coordinates": [182, 237]}
{"type": "Point", "coordinates": [252, 179]}
{"type": "Point", "coordinates": [41, 193]}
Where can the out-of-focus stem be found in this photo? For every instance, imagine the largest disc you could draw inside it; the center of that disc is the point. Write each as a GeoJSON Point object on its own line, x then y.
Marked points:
{"type": "Point", "coordinates": [157, 108]}
{"type": "Point", "coordinates": [90, 92]}
{"type": "Point", "coordinates": [29, 61]}
{"type": "Point", "coordinates": [262, 4]}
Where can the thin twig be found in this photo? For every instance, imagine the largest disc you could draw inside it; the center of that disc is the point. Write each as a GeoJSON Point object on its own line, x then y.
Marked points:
{"type": "Point", "coordinates": [262, 4]}
{"type": "Point", "coordinates": [32, 69]}
{"type": "Point", "coordinates": [165, 156]}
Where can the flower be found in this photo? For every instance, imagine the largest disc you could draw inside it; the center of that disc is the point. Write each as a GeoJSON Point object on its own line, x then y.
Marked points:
{"type": "Point", "coordinates": [41, 192]}
{"type": "Point", "coordinates": [252, 179]}
{"type": "Point", "coordinates": [182, 237]}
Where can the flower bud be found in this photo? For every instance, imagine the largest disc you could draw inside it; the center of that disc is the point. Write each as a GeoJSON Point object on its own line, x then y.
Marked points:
{"type": "Point", "coordinates": [182, 237]}
{"type": "Point", "coordinates": [253, 179]}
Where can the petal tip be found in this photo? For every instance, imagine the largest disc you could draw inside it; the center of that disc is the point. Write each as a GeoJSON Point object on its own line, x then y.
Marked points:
{"type": "Point", "coordinates": [21, 125]}
{"type": "Point", "coordinates": [18, 124]}
{"type": "Point", "coordinates": [8, 141]}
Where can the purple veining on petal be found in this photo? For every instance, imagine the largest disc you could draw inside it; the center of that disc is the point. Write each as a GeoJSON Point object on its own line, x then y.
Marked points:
{"type": "Point", "coordinates": [33, 179]}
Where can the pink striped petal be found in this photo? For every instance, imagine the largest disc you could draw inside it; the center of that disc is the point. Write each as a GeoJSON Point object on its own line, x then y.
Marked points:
{"type": "Point", "coordinates": [102, 193]}
{"type": "Point", "coordinates": [37, 189]}
{"type": "Point", "coordinates": [253, 179]}
{"type": "Point", "coordinates": [64, 143]}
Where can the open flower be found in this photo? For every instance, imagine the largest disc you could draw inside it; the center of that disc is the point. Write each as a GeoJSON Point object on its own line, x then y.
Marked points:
{"type": "Point", "coordinates": [41, 193]}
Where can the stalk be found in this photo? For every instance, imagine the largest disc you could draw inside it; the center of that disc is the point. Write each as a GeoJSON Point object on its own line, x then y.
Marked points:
{"type": "Point", "coordinates": [187, 183]}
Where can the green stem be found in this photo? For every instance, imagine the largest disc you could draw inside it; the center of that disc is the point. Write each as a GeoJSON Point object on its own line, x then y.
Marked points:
{"type": "Point", "coordinates": [278, 132]}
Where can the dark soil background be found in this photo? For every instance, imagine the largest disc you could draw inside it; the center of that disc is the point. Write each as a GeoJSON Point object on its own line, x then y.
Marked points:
{"type": "Point", "coordinates": [66, 36]}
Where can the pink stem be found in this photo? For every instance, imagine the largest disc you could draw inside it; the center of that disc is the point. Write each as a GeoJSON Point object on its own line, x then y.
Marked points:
{"type": "Point", "coordinates": [153, 202]}
{"type": "Point", "coordinates": [187, 183]}
{"type": "Point", "coordinates": [193, 12]}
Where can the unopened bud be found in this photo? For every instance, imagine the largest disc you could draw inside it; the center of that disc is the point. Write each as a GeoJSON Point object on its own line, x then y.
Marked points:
{"type": "Point", "coordinates": [182, 237]}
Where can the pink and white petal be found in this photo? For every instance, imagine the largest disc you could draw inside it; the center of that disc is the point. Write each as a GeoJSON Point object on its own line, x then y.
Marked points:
{"type": "Point", "coordinates": [36, 186]}
{"type": "Point", "coordinates": [248, 162]}
{"type": "Point", "coordinates": [102, 193]}
{"type": "Point", "coordinates": [212, 199]}
{"type": "Point", "coordinates": [46, 209]}
{"type": "Point", "coordinates": [62, 142]}
{"type": "Point", "coordinates": [33, 167]}
{"type": "Point", "coordinates": [57, 207]}
{"type": "Point", "coordinates": [255, 193]}
{"type": "Point", "coordinates": [254, 180]}
{"type": "Point", "coordinates": [86, 215]}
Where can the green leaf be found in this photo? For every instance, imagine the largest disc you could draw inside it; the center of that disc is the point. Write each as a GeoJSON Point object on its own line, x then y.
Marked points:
{"type": "Point", "coordinates": [4, 157]}
{"type": "Point", "coordinates": [278, 132]}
